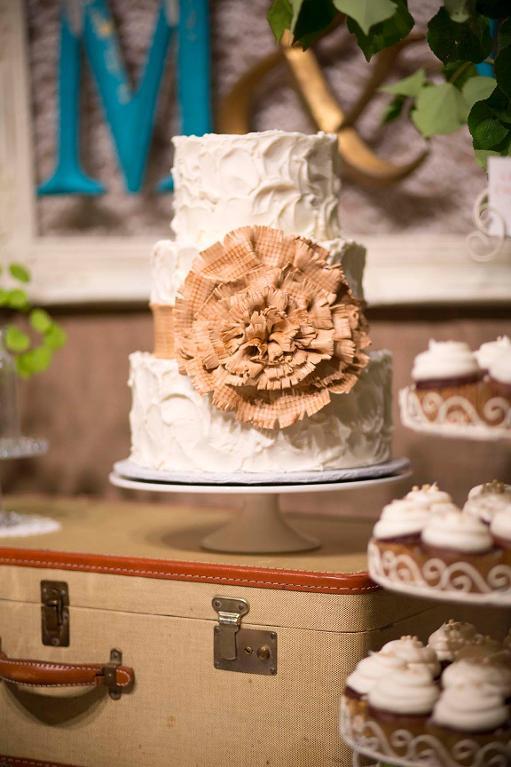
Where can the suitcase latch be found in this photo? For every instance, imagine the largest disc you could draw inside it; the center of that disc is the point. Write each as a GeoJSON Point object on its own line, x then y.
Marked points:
{"type": "Point", "coordinates": [251, 651]}
{"type": "Point", "coordinates": [55, 613]}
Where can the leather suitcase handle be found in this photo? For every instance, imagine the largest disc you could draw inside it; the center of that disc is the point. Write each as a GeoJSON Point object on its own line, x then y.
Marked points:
{"type": "Point", "coordinates": [38, 673]}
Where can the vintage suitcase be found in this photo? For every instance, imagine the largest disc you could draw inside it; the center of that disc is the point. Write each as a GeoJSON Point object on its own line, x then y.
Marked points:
{"type": "Point", "coordinates": [236, 660]}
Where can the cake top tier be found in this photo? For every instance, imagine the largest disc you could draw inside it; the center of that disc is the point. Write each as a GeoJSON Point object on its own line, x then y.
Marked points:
{"type": "Point", "coordinates": [285, 180]}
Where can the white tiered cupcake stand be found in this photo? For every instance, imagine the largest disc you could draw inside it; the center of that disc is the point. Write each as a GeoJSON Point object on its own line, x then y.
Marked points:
{"type": "Point", "coordinates": [259, 528]}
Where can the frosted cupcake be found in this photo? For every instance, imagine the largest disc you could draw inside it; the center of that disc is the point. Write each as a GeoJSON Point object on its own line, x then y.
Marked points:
{"type": "Point", "coordinates": [448, 640]}
{"type": "Point", "coordinates": [401, 521]}
{"type": "Point", "coordinates": [366, 674]}
{"type": "Point", "coordinates": [500, 529]}
{"type": "Point", "coordinates": [491, 352]}
{"type": "Point", "coordinates": [428, 496]}
{"type": "Point", "coordinates": [403, 700]}
{"type": "Point", "coordinates": [499, 375]}
{"type": "Point", "coordinates": [413, 652]}
{"type": "Point", "coordinates": [446, 369]}
{"type": "Point", "coordinates": [475, 713]}
{"type": "Point", "coordinates": [484, 501]}
{"type": "Point", "coordinates": [467, 672]}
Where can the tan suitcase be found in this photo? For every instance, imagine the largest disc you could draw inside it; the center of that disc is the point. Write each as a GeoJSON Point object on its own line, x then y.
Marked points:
{"type": "Point", "coordinates": [237, 660]}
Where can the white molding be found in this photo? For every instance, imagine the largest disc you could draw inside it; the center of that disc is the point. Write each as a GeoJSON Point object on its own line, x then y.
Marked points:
{"type": "Point", "coordinates": [401, 269]}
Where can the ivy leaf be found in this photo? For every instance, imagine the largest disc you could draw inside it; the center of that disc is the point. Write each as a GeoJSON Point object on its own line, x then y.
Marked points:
{"type": "Point", "coordinates": [478, 89]}
{"type": "Point", "coordinates": [55, 337]}
{"type": "Point", "coordinates": [393, 110]}
{"type": "Point", "coordinates": [439, 109]}
{"type": "Point", "coordinates": [366, 13]}
{"type": "Point", "coordinates": [452, 41]}
{"type": "Point", "coordinates": [409, 86]}
{"type": "Point", "coordinates": [280, 17]}
{"type": "Point", "coordinates": [19, 272]}
{"type": "Point", "coordinates": [34, 361]}
{"type": "Point", "coordinates": [486, 128]}
{"type": "Point", "coordinates": [310, 19]}
{"type": "Point", "coordinates": [494, 9]}
{"type": "Point", "coordinates": [16, 340]}
{"type": "Point", "coordinates": [17, 299]}
{"type": "Point", "coordinates": [40, 320]}
{"type": "Point", "coordinates": [458, 72]}
{"type": "Point", "coordinates": [384, 34]}
{"type": "Point", "coordinates": [503, 70]}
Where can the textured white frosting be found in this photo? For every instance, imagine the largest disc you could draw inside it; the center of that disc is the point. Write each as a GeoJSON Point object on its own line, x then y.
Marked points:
{"type": "Point", "coordinates": [474, 708]}
{"type": "Point", "coordinates": [444, 359]}
{"type": "Point", "coordinates": [427, 495]}
{"type": "Point", "coordinates": [448, 640]}
{"type": "Point", "coordinates": [467, 673]}
{"type": "Point", "coordinates": [289, 181]}
{"type": "Point", "coordinates": [484, 501]}
{"type": "Point", "coordinates": [500, 368]}
{"type": "Point", "coordinates": [171, 261]}
{"type": "Point", "coordinates": [175, 428]}
{"type": "Point", "coordinates": [410, 690]}
{"type": "Point", "coordinates": [501, 524]}
{"type": "Point", "coordinates": [400, 517]}
{"type": "Point", "coordinates": [413, 652]}
{"type": "Point", "coordinates": [491, 351]}
{"type": "Point", "coordinates": [369, 670]}
{"type": "Point", "coordinates": [458, 531]}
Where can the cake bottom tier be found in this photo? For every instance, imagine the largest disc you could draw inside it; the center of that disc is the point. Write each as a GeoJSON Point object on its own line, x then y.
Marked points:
{"type": "Point", "coordinates": [175, 428]}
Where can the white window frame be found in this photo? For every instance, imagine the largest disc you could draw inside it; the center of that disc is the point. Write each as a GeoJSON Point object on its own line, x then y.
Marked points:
{"type": "Point", "coordinates": [401, 269]}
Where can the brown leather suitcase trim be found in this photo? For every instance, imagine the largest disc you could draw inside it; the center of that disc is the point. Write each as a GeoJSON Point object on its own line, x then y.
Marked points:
{"type": "Point", "coordinates": [198, 572]}
{"type": "Point", "coordinates": [16, 761]}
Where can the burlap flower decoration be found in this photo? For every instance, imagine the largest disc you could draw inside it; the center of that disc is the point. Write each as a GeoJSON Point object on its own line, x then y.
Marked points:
{"type": "Point", "coordinates": [268, 328]}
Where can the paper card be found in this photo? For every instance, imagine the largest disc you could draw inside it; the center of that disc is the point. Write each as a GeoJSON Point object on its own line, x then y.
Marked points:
{"type": "Point", "coordinates": [499, 195]}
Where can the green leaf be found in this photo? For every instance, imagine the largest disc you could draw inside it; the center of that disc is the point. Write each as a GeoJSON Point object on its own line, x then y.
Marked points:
{"type": "Point", "coordinates": [55, 337]}
{"type": "Point", "coordinates": [16, 340]}
{"type": "Point", "coordinates": [409, 86]}
{"type": "Point", "coordinates": [393, 110]}
{"type": "Point", "coordinates": [384, 34]}
{"type": "Point", "coordinates": [366, 13]}
{"type": "Point", "coordinates": [40, 320]}
{"type": "Point", "coordinates": [310, 19]}
{"type": "Point", "coordinates": [482, 155]}
{"type": "Point", "coordinates": [19, 272]}
{"type": "Point", "coordinates": [503, 70]}
{"type": "Point", "coordinates": [505, 33]}
{"type": "Point", "coordinates": [458, 72]}
{"type": "Point", "coordinates": [4, 297]}
{"type": "Point", "coordinates": [486, 129]}
{"type": "Point", "coordinates": [34, 360]}
{"type": "Point", "coordinates": [494, 9]}
{"type": "Point", "coordinates": [452, 41]}
{"type": "Point", "coordinates": [439, 109]}
{"type": "Point", "coordinates": [17, 299]}
{"type": "Point", "coordinates": [478, 89]}
{"type": "Point", "coordinates": [280, 17]}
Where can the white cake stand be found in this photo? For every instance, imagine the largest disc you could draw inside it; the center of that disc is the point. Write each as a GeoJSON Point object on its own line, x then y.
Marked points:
{"type": "Point", "coordinates": [260, 527]}
{"type": "Point", "coordinates": [13, 524]}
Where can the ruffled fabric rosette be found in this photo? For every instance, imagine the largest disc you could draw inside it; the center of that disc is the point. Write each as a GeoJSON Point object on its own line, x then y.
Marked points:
{"type": "Point", "coordinates": [267, 327]}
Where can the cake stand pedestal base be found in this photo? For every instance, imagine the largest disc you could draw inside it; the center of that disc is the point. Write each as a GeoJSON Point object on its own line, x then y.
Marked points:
{"type": "Point", "coordinates": [259, 528]}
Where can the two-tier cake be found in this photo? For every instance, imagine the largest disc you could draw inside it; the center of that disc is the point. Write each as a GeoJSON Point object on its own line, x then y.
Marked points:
{"type": "Point", "coordinates": [260, 360]}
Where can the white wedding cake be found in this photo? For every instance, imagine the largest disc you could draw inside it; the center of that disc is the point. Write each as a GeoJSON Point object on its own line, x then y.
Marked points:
{"type": "Point", "coordinates": [268, 329]}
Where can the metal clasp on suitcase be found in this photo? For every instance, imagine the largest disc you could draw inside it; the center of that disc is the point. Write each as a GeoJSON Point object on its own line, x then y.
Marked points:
{"type": "Point", "coordinates": [251, 651]}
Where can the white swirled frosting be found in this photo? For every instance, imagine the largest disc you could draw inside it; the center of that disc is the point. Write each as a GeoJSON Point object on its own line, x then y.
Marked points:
{"type": "Point", "coordinates": [491, 351]}
{"type": "Point", "coordinates": [458, 531]}
{"type": "Point", "coordinates": [500, 368]}
{"type": "Point", "coordinates": [400, 517]}
{"type": "Point", "coordinates": [484, 501]}
{"type": "Point", "coordinates": [289, 181]}
{"type": "Point", "coordinates": [411, 690]}
{"type": "Point", "coordinates": [473, 708]}
{"type": "Point", "coordinates": [427, 496]}
{"type": "Point", "coordinates": [172, 259]}
{"type": "Point", "coordinates": [444, 359]}
{"type": "Point", "coordinates": [369, 670]}
{"type": "Point", "coordinates": [467, 673]}
{"type": "Point", "coordinates": [175, 428]}
{"type": "Point", "coordinates": [413, 652]}
{"type": "Point", "coordinates": [501, 525]}
{"type": "Point", "coordinates": [448, 640]}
